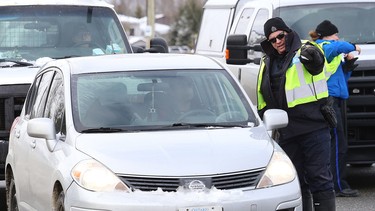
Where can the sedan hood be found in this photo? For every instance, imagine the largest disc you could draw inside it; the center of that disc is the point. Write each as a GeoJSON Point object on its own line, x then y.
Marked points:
{"type": "Point", "coordinates": [177, 153]}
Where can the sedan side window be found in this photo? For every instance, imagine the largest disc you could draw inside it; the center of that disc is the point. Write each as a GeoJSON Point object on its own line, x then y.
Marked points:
{"type": "Point", "coordinates": [30, 100]}
{"type": "Point", "coordinates": [38, 107]}
{"type": "Point", "coordinates": [55, 106]}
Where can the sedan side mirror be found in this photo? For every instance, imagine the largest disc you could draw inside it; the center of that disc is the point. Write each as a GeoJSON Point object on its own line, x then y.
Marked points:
{"type": "Point", "coordinates": [43, 128]}
{"type": "Point", "coordinates": [275, 119]}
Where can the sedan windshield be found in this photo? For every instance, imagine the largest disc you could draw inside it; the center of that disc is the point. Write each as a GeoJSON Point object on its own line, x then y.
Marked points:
{"type": "Point", "coordinates": [156, 100]}
{"type": "Point", "coordinates": [354, 20]}
{"type": "Point", "coordinates": [31, 32]}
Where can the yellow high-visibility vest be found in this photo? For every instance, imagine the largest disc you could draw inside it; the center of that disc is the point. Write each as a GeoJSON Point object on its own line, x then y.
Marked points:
{"type": "Point", "coordinates": [300, 87]}
{"type": "Point", "coordinates": [332, 66]}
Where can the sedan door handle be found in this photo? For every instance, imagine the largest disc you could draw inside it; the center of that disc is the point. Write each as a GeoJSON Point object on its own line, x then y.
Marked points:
{"type": "Point", "coordinates": [33, 143]}
{"type": "Point", "coordinates": [17, 134]}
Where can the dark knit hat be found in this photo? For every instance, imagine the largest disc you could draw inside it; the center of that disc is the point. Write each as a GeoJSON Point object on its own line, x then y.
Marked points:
{"type": "Point", "coordinates": [326, 28]}
{"type": "Point", "coordinates": [275, 24]}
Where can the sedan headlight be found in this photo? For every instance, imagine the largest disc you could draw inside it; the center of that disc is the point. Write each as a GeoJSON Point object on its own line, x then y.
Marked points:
{"type": "Point", "coordinates": [279, 171]}
{"type": "Point", "coordinates": [93, 176]}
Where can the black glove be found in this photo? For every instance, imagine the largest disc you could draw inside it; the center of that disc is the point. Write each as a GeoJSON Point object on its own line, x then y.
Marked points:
{"type": "Point", "coordinates": [349, 65]}
{"type": "Point", "coordinates": [312, 58]}
{"type": "Point", "coordinates": [329, 113]}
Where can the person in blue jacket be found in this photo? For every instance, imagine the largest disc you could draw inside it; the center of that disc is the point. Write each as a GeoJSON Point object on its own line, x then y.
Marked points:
{"type": "Point", "coordinates": [339, 55]}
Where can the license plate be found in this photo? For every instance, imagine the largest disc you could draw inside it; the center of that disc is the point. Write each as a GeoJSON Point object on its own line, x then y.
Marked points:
{"type": "Point", "coordinates": [208, 208]}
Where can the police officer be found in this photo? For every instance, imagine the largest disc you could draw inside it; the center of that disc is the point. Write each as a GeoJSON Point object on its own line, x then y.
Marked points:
{"type": "Point", "coordinates": [326, 35]}
{"type": "Point", "coordinates": [291, 78]}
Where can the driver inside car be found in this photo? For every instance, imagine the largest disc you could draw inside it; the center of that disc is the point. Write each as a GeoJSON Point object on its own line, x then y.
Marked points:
{"type": "Point", "coordinates": [179, 99]}
{"type": "Point", "coordinates": [187, 106]}
{"type": "Point", "coordinates": [179, 103]}
{"type": "Point", "coordinates": [82, 38]}
{"type": "Point", "coordinates": [182, 94]}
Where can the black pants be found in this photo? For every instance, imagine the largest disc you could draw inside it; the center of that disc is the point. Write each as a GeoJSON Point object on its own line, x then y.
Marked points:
{"type": "Point", "coordinates": [339, 148]}
{"type": "Point", "coordinates": [310, 154]}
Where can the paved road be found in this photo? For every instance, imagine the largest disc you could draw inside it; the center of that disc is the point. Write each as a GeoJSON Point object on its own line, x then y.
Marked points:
{"type": "Point", "coordinates": [362, 179]}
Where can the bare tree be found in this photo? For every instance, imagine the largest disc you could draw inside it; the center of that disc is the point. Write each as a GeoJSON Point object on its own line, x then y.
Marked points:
{"type": "Point", "coordinates": [183, 16]}
{"type": "Point", "coordinates": [187, 22]}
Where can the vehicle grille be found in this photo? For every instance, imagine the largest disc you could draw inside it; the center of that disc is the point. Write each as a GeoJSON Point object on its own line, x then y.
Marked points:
{"type": "Point", "coordinates": [360, 115]}
{"type": "Point", "coordinates": [361, 103]}
{"type": "Point", "coordinates": [247, 179]}
{"type": "Point", "coordinates": [12, 98]}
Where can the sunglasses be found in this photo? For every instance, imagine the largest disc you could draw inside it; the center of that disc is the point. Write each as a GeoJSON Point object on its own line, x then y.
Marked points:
{"type": "Point", "coordinates": [279, 37]}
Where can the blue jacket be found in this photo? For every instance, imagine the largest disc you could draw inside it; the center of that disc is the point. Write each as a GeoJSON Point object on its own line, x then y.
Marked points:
{"type": "Point", "coordinates": [338, 82]}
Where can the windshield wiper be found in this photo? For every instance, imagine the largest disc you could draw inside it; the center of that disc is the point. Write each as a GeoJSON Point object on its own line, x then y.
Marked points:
{"type": "Point", "coordinates": [66, 57]}
{"type": "Point", "coordinates": [205, 125]}
{"type": "Point", "coordinates": [102, 130]}
{"type": "Point", "coordinates": [17, 62]}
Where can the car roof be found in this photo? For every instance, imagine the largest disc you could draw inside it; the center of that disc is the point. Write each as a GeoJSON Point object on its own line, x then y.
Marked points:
{"type": "Point", "coordinates": [283, 3]}
{"type": "Point", "coordinates": [131, 62]}
{"type": "Point", "coordinates": [304, 2]}
{"type": "Point", "coordinates": [100, 3]}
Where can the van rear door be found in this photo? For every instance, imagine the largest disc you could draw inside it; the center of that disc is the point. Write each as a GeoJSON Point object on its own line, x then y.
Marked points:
{"type": "Point", "coordinates": [212, 37]}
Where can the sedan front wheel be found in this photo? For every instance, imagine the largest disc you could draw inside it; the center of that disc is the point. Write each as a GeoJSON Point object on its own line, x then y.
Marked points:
{"type": "Point", "coordinates": [12, 196]}
{"type": "Point", "coordinates": [60, 201]}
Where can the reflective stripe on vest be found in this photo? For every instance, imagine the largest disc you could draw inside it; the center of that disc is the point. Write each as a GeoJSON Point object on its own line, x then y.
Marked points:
{"type": "Point", "coordinates": [302, 87]}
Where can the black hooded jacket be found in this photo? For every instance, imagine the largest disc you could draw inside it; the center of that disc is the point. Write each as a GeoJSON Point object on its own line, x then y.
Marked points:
{"type": "Point", "coordinates": [303, 118]}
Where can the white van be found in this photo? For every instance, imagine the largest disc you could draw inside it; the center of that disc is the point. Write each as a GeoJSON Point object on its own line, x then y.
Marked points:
{"type": "Point", "coordinates": [354, 19]}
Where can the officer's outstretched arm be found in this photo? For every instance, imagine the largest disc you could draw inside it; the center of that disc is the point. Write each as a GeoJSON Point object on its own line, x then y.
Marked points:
{"type": "Point", "coordinates": [312, 58]}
